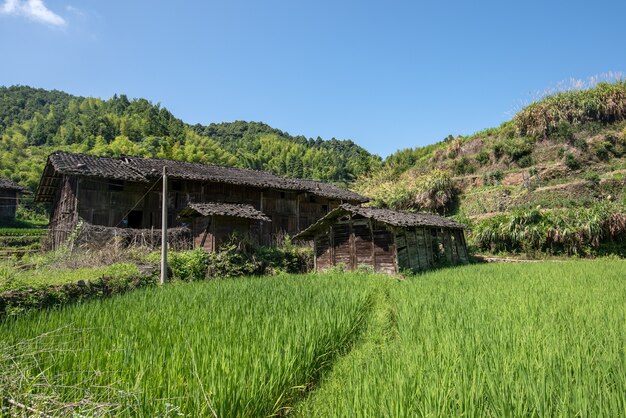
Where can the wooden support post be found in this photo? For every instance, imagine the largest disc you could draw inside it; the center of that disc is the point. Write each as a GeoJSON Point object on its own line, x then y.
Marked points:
{"type": "Point", "coordinates": [164, 229]}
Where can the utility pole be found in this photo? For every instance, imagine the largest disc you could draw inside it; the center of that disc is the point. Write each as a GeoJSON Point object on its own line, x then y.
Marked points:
{"type": "Point", "coordinates": [164, 229]}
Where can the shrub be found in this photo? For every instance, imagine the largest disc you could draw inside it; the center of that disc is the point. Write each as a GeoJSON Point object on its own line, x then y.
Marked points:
{"type": "Point", "coordinates": [525, 161]}
{"type": "Point", "coordinates": [603, 150]}
{"type": "Point", "coordinates": [498, 150]}
{"type": "Point", "coordinates": [518, 147]}
{"type": "Point", "coordinates": [483, 157]}
{"type": "Point", "coordinates": [563, 131]}
{"type": "Point", "coordinates": [571, 161]}
{"type": "Point", "coordinates": [188, 265]}
{"type": "Point", "coordinates": [592, 177]}
{"type": "Point", "coordinates": [581, 144]}
{"type": "Point", "coordinates": [463, 166]}
{"type": "Point", "coordinates": [494, 178]}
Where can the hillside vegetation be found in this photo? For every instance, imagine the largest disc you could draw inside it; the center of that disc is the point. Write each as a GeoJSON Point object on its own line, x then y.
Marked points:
{"type": "Point", "coordinates": [557, 163]}
{"type": "Point", "coordinates": [34, 122]}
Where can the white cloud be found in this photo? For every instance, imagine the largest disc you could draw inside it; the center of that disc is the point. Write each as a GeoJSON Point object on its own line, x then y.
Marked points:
{"type": "Point", "coordinates": [33, 9]}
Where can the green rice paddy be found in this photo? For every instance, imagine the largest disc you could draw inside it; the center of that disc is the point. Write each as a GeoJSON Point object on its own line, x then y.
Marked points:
{"type": "Point", "coordinates": [540, 339]}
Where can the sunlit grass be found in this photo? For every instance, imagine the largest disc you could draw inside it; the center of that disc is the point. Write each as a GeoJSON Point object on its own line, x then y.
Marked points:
{"type": "Point", "coordinates": [237, 347]}
{"type": "Point", "coordinates": [491, 340]}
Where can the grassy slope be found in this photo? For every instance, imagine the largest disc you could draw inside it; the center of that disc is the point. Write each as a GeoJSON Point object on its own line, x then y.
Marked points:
{"type": "Point", "coordinates": [489, 340]}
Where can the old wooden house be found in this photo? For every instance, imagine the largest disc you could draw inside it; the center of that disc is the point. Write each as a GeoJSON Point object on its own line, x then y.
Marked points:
{"type": "Point", "coordinates": [385, 240]}
{"type": "Point", "coordinates": [126, 192]}
{"type": "Point", "coordinates": [10, 193]}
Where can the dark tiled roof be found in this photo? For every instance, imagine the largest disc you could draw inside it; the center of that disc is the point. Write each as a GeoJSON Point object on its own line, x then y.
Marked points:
{"type": "Point", "coordinates": [7, 184]}
{"type": "Point", "coordinates": [223, 209]}
{"type": "Point", "coordinates": [148, 169]}
{"type": "Point", "coordinates": [388, 216]}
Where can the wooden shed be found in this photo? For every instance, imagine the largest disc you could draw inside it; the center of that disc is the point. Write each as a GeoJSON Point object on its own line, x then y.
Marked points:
{"type": "Point", "coordinates": [385, 240]}
{"type": "Point", "coordinates": [10, 193]}
{"type": "Point", "coordinates": [213, 223]}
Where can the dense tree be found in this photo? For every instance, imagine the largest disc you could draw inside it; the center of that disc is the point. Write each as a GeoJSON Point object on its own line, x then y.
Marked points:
{"type": "Point", "coordinates": [35, 122]}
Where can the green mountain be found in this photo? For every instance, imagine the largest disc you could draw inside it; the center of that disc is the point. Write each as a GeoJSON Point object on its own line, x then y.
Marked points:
{"type": "Point", "coordinates": [34, 122]}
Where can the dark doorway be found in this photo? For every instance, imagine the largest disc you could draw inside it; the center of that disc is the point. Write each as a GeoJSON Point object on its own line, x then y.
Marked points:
{"type": "Point", "coordinates": [135, 219]}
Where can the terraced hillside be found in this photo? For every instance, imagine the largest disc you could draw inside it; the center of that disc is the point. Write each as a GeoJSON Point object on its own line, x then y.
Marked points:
{"type": "Point", "coordinates": [564, 154]}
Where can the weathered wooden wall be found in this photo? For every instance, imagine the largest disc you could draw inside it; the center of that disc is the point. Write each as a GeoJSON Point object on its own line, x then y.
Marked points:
{"type": "Point", "coordinates": [8, 204]}
{"type": "Point", "coordinates": [422, 248]}
{"type": "Point", "coordinates": [355, 243]}
{"type": "Point", "coordinates": [132, 204]}
{"type": "Point", "coordinates": [64, 216]}
{"type": "Point", "coordinates": [210, 232]}
{"type": "Point", "coordinates": [358, 242]}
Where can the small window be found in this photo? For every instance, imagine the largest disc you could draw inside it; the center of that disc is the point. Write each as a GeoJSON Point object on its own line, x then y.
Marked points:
{"type": "Point", "coordinates": [312, 199]}
{"type": "Point", "coordinates": [282, 195]}
{"type": "Point", "coordinates": [324, 208]}
{"type": "Point", "coordinates": [116, 185]}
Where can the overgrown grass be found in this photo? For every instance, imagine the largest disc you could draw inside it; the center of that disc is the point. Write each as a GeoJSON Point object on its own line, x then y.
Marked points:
{"type": "Point", "coordinates": [604, 103]}
{"type": "Point", "coordinates": [579, 231]}
{"type": "Point", "coordinates": [543, 339]}
{"type": "Point", "coordinates": [14, 277]}
{"type": "Point", "coordinates": [244, 347]}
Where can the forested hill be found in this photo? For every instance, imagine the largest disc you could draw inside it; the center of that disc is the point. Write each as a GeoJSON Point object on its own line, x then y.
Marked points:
{"type": "Point", "coordinates": [35, 122]}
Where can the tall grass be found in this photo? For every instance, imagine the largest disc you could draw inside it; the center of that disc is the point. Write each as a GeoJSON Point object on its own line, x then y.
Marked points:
{"type": "Point", "coordinates": [229, 347]}
{"type": "Point", "coordinates": [545, 339]}
{"type": "Point", "coordinates": [604, 103]}
{"type": "Point", "coordinates": [575, 231]}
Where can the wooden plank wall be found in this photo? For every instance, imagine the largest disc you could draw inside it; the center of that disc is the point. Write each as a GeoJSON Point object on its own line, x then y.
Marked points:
{"type": "Point", "coordinates": [8, 204]}
{"type": "Point", "coordinates": [323, 252]}
{"type": "Point", "coordinates": [342, 245]}
{"type": "Point", "coordinates": [108, 203]}
{"type": "Point", "coordinates": [363, 254]}
{"type": "Point", "coordinates": [64, 216]}
{"type": "Point", "coordinates": [355, 243]}
{"type": "Point", "coordinates": [384, 249]}
{"type": "Point", "coordinates": [422, 248]}
{"type": "Point", "coordinates": [220, 229]}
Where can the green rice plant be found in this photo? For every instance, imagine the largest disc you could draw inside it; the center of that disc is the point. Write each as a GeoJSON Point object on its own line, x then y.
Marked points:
{"type": "Point", "coordinates": [245, 347]}
{"type": "Point", "coordinates": [540, 339]}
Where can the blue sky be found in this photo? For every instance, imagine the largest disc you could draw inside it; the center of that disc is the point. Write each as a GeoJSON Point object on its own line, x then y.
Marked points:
{"type": "Point", "coordinates": [386, 74]}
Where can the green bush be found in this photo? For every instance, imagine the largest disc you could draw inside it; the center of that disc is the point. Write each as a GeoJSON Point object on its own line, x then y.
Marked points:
{"type": "Point", "coordinates": [517, 148]}
{"type": "Point", "coordinates": [483, 157]}
{"type": "Point", "coordinates": [571, 161]}
{"type": "Point", "coordinates": [188, 265]}
{"type": "Point", "coordinates": [579, 231]}
{"type": "Point", "coordinates": [563, 131]}
{"type": "Point", "coordinates": [525, 161]}
{"type": "Point", "coordinates": [592, 177]}
{"type": "Point", "coordinates": [463, 166]}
